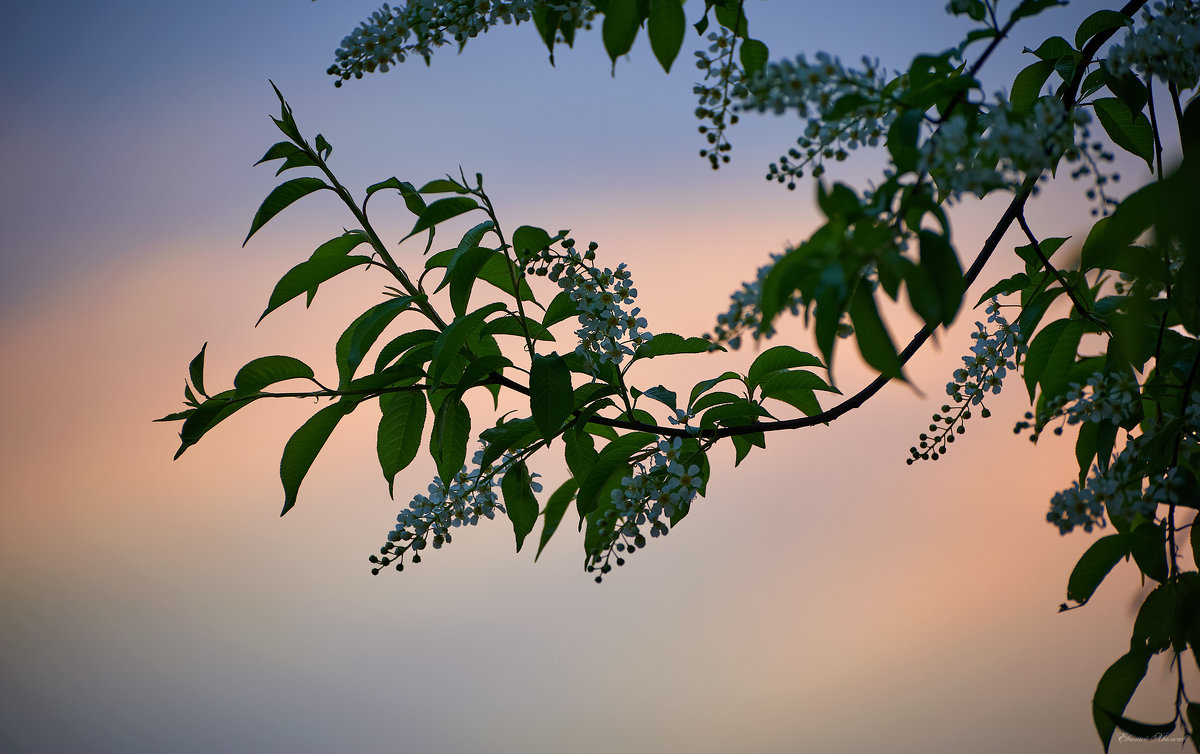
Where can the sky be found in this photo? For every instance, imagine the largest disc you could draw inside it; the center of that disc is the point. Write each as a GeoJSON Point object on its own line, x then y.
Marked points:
{"type": "Point", "coordinates": [824, 596]}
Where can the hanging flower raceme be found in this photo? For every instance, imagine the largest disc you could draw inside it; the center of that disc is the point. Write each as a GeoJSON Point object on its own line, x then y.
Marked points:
{"type": "Point", "coordinates": [1166, 45]}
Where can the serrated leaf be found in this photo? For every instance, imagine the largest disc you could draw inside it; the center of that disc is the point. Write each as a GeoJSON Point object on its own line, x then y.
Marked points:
{"type": "Point", "coordinates": [362, 333]}
{"type": "Point", "coordinates": [452, 339]}
{"type": "Point", "coordinates": [279, 151]}
{"type": "Point", "coordinates": [796, 379]}
{"type": "Point", "coordinates": [206, 416]}
{"type": "Point", "coordinates": [668, 343]}
{"type": "Point", "coordinates": [1147, 543]}
{"type": "Point", "coordinates": [561, 307]}
{"type": "Point", "coordinates": [940, 261]}
{"type": "Point", "coordinates": [511, 325]}
{"type": "Point", "coordinates": [267, 370]}
{"type": "Point", "coordinates": [613, 456]}
{"type": "Point", "coordinates": [1097, 23]}
{"type": "Point", "coordinates": [556, 507]}
{"type": "Point", "coordinates": [280, 198]}
{"type": "Point", "coordinates": [448, 437]}
{"type": "Point", "coordinates": [1006, 286]}
{"type": "Point", "coordinates": [1055, 344]}
{"type": "Point", "coordinates": [443, 186]}
{"type": "Point", "coordinates": [620, 27]}
{"type": "Point", "coordinates": [441, 211]}
{"type": "Point", "coordinates": [1128, 130]}
{"type": "Point", "coordinates": [665, 27]}
{"type": "Point", "coordinates": [753, 54]}
{"type": "Point", "coordinates": [307, 276]}
{"type": "Point", "coordinates": [518, 433]}
{"type": "Point", "coordinates": [1094, 565]}
{"type": "Point", "coordinates": [398, 439]}
{"type": "Point", "coordinates": [1115, 689]}
{"type": "Point", "coordinates": [662, 395]}
{"type": "Point", "coordinates": [1155, 623]}
{"type": "Point", "coordinates": [196, 371]}
{"type": "Point", "coordinates": [304, 445]}
{"type": "Point", "coordinates": [778, 358]}
{"type": "Point", "coordinates": [1033, 7]}
{"type": "Point", "coordinates": [873, 340]}
{"type": "Point", "coordinates": [551, 399]}
{"type": "Point", "coordinates": [461, 274]}
{"type": "Point", "coordinates": [705, 385]}
{"type": "Point", "coordinates": [1027, 86]}
{"type": "Point", "coordinates": [519, 501]}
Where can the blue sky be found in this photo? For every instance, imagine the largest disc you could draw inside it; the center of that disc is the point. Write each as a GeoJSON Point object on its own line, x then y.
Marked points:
{"type": "Point", "coordinates": [824, 596]}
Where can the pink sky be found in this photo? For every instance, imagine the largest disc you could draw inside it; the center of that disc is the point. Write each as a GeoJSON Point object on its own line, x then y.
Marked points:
{"type": "Point", "coordinates": [823, 597]}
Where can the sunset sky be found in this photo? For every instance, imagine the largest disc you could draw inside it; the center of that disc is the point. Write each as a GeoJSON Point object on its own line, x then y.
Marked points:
{"type": "Point", "coordinates": [823, 597]}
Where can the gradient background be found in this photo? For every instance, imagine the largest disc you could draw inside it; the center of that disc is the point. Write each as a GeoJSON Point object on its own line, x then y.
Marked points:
{"type": "Point", "coordinates": [824, 597]}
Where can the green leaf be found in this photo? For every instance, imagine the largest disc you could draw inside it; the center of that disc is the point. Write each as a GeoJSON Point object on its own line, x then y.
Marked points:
{"type": "Point", "coordinates": [620, 27]}
{"type": "Point", "coordinates": [461, 274]}
{"type": "Point", "coordinates": [1052, 49]}
{"type": "Point", "coordinates": [561, 307]}
{"type": "Point", "coordinates": [1095, 564]}
{"type": "Point", "coordinates": [1097, 23]}
{"type": "Point", "coordinates": [1116, 688]}
{"type": "Point", "coordinates": [1006, 286]}
{"type": "Point", "coordinates": [797, 379]}
{"type": "Point", "coordinates": [443, 186]}
{"type": "Point", "coordinates": [304, 445]}
{"type": "Point", "coordinates": [399, 437]}
{"type": "Point", "coordinates": [1128, 130]}
{"type": "Point", "coordinates": [448, 438]}
{"type": "Point", "coordinates": [666, 26]}
{"type": "Point", "coordinates": [1147, 544]}
{"type": "Point", "coordinates": [551, 399]}
{"type": "Point", "coordinates": [519, 501]}
{"type": "Point", "coordinates": [556, 506]}
{"type": "Point", "coordinates": [362, 333]}
{"type": "Point", "coordinates": [297, 160]}
{"type": "Point", "coordinates": [614, 455]}
{"type": "Point", "coordinates": [1027, 86]}
{"type": "Point", "coordinates": [206, 416]}
{"type": "Point", "coordinates": [778, 358]}
{"type": "Point", "coordinates": [307, 276]}
{"type": "Point", "coordinates": [279, 199]}
{"type": "Point", "coordinates": [267, 370]}
{"type": "Point", "coordinates": [1155, 623]}
{"type": "Point", "coordinates": [1050, 355]}
{"type": "Point", "coordinates": [518, 433]}
{"type": "Point", "coordinates": [528, 240]}
{"type": "Point", "coordinates": [733, 17]}
{"type": "Point", "coordinates": [668, 343]}
{"type": "Point", "coordinates": [705, 385]}
{"type": "Point", "coordinates": [279, 151]}
{"type": "Point", "coordinates": [939, 259]}
{"type": "Point", "coordinates": [873, 339]}
{"type": "Point", "coordinates": [580, 452]}
{"type": "Point", "coordinates": [662, 395]}
{"type": "Point", "coordinates": [452, 339]}
{"type": "Point", "coordinates": [441, 211]}
{"type": "Point", "coordinates": [196, 371]}
{"type": "Point", "coordinates": [753, 54]}
{"type": "Point", "coordinates": [902, 140]}
{"type": "Point", "coordinates": [510, 324]}
{"type": "Point", "coordinates": [1150, 731]}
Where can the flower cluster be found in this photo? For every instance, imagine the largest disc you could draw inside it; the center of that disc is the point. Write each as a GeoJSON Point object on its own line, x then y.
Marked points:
{"type": "Point", "coordinates": [994, 353]}
{"type": "Point", "coordinates": [845, 108]}
{"type": "Point", "coordinates": [428, 519]}
{"type": "Point", "coordinates": [1115, 398]}
{"type": "Point", "coordinates": [392, 34]}
{"type": "Point", "coordinates": [650, 496]}
{"type": "Point", "coordinates": [609, 331]}
{"type": "Point", "coordinates": [1001, 149]}
{"type": "Point", "coordinates": [744, 314]}
{"type": "Point", "coordinates": [1128, 486]}
{"type": "Point", "coordinates": [1166, 45]}
{"type": "Point", "coordinates": [728, 83]}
